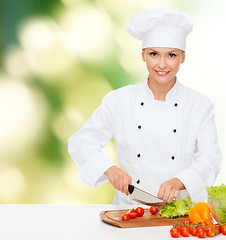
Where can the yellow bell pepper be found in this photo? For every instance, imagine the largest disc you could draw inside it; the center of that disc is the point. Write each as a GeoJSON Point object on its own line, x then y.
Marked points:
{"type": "Point", "coordinates": [200, 212]}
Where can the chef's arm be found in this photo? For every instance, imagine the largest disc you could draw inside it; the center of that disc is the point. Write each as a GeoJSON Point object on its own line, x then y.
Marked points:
{"type": "Point", "coordinates": [207, 158]}
{"type": "Point", "coordinates": [85, 146]}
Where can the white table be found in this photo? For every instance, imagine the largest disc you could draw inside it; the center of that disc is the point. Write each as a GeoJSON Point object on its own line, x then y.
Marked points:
{"type": "Point", "coordinates": [70, 222]}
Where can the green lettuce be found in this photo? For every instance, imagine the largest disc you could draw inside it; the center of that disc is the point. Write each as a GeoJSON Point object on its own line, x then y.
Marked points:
{"type": "Point", "coordinates": [177, 208]}
{"type": "Point", "coordinates": [219, 193]}
{"type": "Point", "coordinates": [218, 200]}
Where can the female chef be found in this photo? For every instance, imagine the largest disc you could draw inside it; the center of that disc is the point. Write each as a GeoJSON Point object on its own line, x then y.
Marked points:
{"type": "Point", "coordinates": [159, 125]}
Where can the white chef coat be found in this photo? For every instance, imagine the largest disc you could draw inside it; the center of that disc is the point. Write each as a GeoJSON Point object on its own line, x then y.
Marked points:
{"type": "Point", "coordinates": [156, 140]}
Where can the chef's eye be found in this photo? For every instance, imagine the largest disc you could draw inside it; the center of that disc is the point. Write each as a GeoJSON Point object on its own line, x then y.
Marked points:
{"type": "Point", "coordinates": [172, 55]}
{"type": "Point", "coordinates": [153, 54]}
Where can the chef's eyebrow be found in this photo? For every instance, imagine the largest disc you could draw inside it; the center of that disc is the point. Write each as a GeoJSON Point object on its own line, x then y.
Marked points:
{"type": "Point", "coordinates": [172, 51]}
{"type": "Point", "coordinates": [152, 50]}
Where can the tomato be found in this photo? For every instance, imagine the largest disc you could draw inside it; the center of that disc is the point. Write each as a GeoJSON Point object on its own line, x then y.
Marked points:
{"type": "Point", "coordinates": [153, 210]}
{"type": "Point", "coordinates": [201, 233]}
{"type": "Point", "coordinates": [187, 222]}
{"type": "Point", "coordinates": [210, 231]}
{"type": "Point", "coordinates": [139, 211]}
{"type": "Point", "coordinates": [203, 225]}
{"type": "Point", "coordinates": [132, 214]}
{"type": "Point", "coordinates": [210, 222]}
{"type": "Point", "coordinates": [193, 231]}
{"type": "Point", "coordinates": [185, 231]}
{"type": "Point", "coordinates": [223, 229]}
{"type": "Point", "coordinates": [175, 232]}
{"type": "Point", "coordinates": [181, 226]}
{"type": "Point", "coordinates": [217, 228]}
{"type": "Point", "coordinates": [125, 217]}
{"type": "Point", "coordinates": [132, 210]}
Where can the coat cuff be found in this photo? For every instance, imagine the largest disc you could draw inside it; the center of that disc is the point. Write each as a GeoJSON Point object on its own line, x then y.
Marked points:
{"type": "Point", "coordinates": [193, 184]}
{"type": "Point", "coordinates": [93, 171]}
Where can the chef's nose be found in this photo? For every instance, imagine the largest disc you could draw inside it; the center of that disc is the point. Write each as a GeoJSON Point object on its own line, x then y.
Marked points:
{"type": "Point", "coordinates": [162, 62]}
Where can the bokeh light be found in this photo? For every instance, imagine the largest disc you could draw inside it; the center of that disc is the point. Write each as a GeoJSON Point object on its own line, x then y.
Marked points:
{"type": "Point", "coordinates": [20, 119]}
{"type": "Point", "coordinates": [16, 63]}
{"type": "Point", "coordinates": [12, 184]}
{"type": "Point", "coordinates": [87, 32]}
{"type": "Point", "coordinates": [46, 54]}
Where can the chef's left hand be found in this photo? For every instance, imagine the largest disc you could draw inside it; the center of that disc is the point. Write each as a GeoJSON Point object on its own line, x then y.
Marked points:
{"type": "Point", "coordinates": [170, 190]}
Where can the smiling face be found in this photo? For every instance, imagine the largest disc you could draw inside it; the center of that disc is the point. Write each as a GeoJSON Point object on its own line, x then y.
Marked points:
{"type": "Point", "coordinates": [163, 64]}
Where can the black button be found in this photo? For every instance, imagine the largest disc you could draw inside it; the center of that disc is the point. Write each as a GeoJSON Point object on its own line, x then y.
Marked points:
{"type": "Point", "coordinates": [142, 104]}
{"type": "Point", "coordinates": [175, 104]}
{"type": "Point", "coordinates": [174, 130]}
{"type": "Point", "coordinates": [138, 181]}
{"type": "Point", "coordinates": [138, 155]}
{"type": "Point", "coordinates": [139, 126]}
{"type": "Point", "coordinates": [172, 157]}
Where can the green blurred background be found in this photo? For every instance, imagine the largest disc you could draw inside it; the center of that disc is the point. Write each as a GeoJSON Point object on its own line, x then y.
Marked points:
{"type": "Point", "coordinates": [58, 58]}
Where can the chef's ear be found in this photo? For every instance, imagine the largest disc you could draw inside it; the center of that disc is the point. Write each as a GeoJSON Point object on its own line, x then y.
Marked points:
{"type": "Point", "coordinates": [183, 57]}
{"type": "Point", "coordinates": [143, 55]}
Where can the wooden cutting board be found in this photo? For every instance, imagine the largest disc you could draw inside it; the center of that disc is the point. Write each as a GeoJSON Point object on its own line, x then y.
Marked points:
{"type": "Point", "coordinates": [113, 217]}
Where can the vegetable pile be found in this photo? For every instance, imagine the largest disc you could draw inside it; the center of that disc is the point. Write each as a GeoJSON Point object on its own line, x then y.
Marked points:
{"type": "Point", "coordinates": [218, 194]}
{"type": "Point", "coordinates": [200, 222]}
{"type": "Point", "coordinates": [138, 212]}
{"type": "Point", "coordinates": [177, 208]}
{"type": "Point", "coordinates": [200, 230]}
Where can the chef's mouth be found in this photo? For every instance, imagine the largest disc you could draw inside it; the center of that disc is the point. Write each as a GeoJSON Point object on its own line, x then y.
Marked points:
{"type": "Point", "coordinates": [162, 73]}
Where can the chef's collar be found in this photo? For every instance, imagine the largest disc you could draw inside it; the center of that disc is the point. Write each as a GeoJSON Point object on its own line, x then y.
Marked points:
{"type": "Point", "coordinates": [171, 95]}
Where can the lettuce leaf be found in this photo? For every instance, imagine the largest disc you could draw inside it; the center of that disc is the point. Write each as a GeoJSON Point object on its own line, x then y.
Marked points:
{"type": "Point", "coordinates": [218, 201]}
{"type": "Point", "coordinates": [177, 208]}
{"type": "Point", "coordinates": [219, 193]}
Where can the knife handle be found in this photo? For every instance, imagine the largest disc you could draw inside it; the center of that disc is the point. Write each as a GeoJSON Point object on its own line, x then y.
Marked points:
{"type": "Point", "coordinates": [130, 188]}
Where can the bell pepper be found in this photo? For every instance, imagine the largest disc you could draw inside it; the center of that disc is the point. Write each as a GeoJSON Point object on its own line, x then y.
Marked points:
{"type": "Point", "coordinates": [200, 212]}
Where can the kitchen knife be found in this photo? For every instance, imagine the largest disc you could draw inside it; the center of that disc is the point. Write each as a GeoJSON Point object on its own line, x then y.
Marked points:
{"type": "Point", "coordinates": [143, 197]}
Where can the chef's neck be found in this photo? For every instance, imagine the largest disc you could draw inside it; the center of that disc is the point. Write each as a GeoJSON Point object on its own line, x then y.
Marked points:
{"type": "Point", "coordinates": [160, 90]}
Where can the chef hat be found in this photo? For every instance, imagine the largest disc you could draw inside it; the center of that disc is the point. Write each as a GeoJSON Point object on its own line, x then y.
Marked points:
{"type": "Point", "coordinates": [161, 27]}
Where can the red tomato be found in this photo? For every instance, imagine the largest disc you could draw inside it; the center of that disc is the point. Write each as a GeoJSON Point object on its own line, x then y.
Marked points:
{"type": "Point", "coordinates": [217, 228]}
{"type": "Point", "coordinates": [202, 224]}
{"type": "Point", "coordinates": [223, 229]}
{"type": "Point", "coordinates": [181, 226]}
{"type": "Point", "coordinates": [132, 214]}
{"type": "Point", "coordinates": [187, 222]}
{"type": "Point", "coordinates": [210, 231]}
{"type": "Point", "coordinates": [193, 231]}
{"type": "Point", "coordinates": [139, 211]}
{"type": "Point", "coordinates": [132, 210]}
{"type": "Point", "coordinates": [175, 232]}
{"type": "Point", "coordinates": [185, 231]}
{"type": "Point", "coordinates": [125, 217]}
{"type": "Point", "coordinates": [153, 210]}
{"type": "Point", "coordinates": [201, 233]}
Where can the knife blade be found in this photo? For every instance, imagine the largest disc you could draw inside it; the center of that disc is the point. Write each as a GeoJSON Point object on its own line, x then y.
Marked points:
{"type": "Point", "coordinates": [143, 197]}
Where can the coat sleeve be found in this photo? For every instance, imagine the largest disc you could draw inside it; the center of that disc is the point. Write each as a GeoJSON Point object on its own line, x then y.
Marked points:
{"type": "Point", "coordinates": [85, 146]}
{"type": "Point", "coordinates": [207, 156]}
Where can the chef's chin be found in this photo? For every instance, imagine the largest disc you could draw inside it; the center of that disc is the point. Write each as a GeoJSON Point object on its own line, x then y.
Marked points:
{"type": "Point", "coordinates": [163, 80]}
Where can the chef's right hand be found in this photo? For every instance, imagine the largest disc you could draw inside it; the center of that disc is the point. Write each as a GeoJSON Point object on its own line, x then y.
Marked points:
{"type": "Point", "coordinates": [119, 179]}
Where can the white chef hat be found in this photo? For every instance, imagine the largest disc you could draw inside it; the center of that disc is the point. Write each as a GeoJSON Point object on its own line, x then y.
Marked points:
{"type": "Point", "coordinates": [161, 27]}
